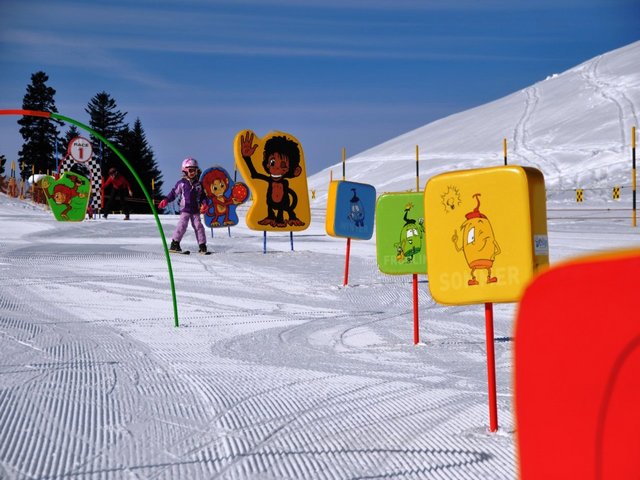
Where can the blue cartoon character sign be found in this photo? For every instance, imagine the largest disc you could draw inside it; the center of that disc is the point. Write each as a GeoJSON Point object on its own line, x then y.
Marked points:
{"type": "Point", "coordinates": [223, 196]}
{"type": "Point", "coordinates": [350, 210]}
{"type": "Point", "coordinates": [356, 210]}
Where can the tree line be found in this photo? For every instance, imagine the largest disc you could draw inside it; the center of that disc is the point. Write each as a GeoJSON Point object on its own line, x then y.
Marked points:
{"type": "Point", "coordinates": [45, 145]}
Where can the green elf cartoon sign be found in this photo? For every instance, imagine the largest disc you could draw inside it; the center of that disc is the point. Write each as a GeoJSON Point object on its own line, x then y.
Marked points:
{"type": "Point", "coordinates": [400, 234]}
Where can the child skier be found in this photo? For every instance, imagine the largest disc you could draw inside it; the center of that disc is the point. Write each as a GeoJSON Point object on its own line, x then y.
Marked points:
{"type": "Point", "coordinates": [192, 203]}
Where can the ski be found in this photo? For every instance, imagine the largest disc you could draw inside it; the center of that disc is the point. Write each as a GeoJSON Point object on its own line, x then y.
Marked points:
{"type": "Point", "coordinates": [182, 252]}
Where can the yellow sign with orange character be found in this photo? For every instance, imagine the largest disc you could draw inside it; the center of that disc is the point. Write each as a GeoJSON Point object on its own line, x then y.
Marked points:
{"type": "Point", "coordinates": [487, 233]}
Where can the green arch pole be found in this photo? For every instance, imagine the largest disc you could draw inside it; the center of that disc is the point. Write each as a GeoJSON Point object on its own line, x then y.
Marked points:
{"type": "Point", "coordinates": [35, 113]}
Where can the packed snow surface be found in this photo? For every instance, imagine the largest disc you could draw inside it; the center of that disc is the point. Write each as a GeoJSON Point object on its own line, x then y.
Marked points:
{"type": "Point", "coordinates": [277, 370]}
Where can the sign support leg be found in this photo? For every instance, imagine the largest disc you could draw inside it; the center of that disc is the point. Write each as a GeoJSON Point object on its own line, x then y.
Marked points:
{"type": "Point", "coordinates": [416, 321]}
{"type": "Point", "coordinates": [491, 368]}
{"type": "Point", "coordinates": [346, 263]}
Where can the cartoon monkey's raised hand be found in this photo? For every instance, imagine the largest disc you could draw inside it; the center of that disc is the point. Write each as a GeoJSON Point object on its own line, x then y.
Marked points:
{"type": "Point", "coordinates": [247, 147]}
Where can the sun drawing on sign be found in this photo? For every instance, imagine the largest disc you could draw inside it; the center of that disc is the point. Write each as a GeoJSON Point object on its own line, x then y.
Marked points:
{"type": "Point", "coordinates": [451, 198]}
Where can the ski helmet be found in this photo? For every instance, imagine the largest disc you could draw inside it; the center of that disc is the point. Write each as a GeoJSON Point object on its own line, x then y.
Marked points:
{"type": "Point", "coordinates": [189, 163]}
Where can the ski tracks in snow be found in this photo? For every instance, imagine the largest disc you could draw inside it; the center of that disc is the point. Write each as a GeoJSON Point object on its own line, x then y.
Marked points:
{"type": "Point", "coordinates": [522, 146]}
{"type": "Point", "coordinates": [322, 401]}
{"type": "Point", "coordinates": [609, 89]}
{"type": "Point", "coordinates": [91, 395]}
{"type": "Point", "coordinates": [286, 379]}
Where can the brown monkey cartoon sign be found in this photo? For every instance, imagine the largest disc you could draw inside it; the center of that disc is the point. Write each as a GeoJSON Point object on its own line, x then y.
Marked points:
{"type": "Point", "coordinates": [68, 196]}
{"type": "Point", "coordinates": [274, 169]}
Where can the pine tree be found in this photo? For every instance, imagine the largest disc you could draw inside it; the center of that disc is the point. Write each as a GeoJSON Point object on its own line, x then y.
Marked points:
{"type": "Point", "coordinates": [136, 149]}
{"type": "Point", "coordinates": [108, 121]}
{"type": "Point", "coordinates": [40, 135]}
{"type": "Point", "coordinates": [72, 133]}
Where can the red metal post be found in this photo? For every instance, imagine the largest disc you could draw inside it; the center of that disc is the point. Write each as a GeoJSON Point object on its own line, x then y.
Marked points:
{"type": "Point", "coordinates": [491, 368]}
{"type": "Point", "coordinates": [416, 321]}
{"type": "Point", "coordinates": [346, 263]}
{"type": "Point", "coordinates": [32, 113]}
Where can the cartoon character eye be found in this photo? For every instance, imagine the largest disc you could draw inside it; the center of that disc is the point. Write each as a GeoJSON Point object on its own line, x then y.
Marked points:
{"type": "Point", "coordinates": [410, 233]}
{"type": "Point", "coordinates": [272, 162]}
{"type": "Point", "coordinates": [471, 235]}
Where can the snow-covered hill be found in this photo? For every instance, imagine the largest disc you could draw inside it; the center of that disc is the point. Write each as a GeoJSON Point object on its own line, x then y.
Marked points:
{"type": "Point", "coordinates": [574, 126]}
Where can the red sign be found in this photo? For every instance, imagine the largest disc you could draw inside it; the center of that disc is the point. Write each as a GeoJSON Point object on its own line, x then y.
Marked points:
{"type": "Point", "coordinates": [577, 371]}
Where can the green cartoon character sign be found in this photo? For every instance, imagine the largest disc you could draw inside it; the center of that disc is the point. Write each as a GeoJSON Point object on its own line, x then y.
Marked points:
{"type": "Point", "coordinates": [400, 235]}
{"type": "Point", "coordinates": [411, 237]}
{"type": "Point", "coordinates": [68, 196]}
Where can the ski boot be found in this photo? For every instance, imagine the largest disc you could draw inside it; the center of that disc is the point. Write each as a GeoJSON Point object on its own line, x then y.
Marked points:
{"type": "Point", "coordinates": [175, 246]}
{"type": "Point", "coordinates": [202, 249]}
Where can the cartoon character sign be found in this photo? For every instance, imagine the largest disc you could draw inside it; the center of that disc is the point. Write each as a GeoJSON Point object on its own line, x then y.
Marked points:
{"type": "Point", "coordinates": [68, 197]}
{"type": "Point", "coordinates": [356, 210]}
{"type": "Point", "coordinates": [223, 196]}
{"type": "Point", "coordinates": [478, 243]}
{"type": "Point", "coordinates": [400, 234]}
{"type": "Point", "coordinates": [411, 235]}
{"type": "Point", "coordinates": [80, 158]}
{"type": "Point", "coordinates": [350, 210]}
{"type": "Point", "coordinates": [275, 171]}
{"type": "Point", "coordinates": [487, 233]}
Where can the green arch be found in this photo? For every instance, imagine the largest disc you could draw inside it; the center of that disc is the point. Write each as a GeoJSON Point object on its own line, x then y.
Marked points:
{"type": "Point", "coordinates": [135, 175]}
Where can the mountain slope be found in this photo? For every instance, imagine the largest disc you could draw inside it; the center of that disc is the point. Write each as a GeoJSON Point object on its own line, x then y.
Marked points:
{"type": "Point", "coordinates": [575, 127]}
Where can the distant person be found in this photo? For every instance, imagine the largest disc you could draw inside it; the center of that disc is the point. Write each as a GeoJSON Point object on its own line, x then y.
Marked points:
{"type": "Point", "coordinates": [119, 187]}
{"type": "Point", "coordinates": [192, 204]}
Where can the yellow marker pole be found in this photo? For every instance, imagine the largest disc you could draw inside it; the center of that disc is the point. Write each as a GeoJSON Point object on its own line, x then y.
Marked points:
{"type": "Point", "coordinates": [633, 172]}
{"type": "Point", "coordinates": [33, 185]}
{"type": "Point", "coordinates": [11, 187]}
{"type": "Point", "coordinates": [344, 161]}
{"type": "Point", "coordinates": [504, 149]}
{"type": "Point", "coordinates": [417, 168]}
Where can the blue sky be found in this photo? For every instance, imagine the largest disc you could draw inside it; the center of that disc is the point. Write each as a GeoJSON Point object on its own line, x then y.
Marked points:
{"type": "Point", "coordinates": [334, 73]}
